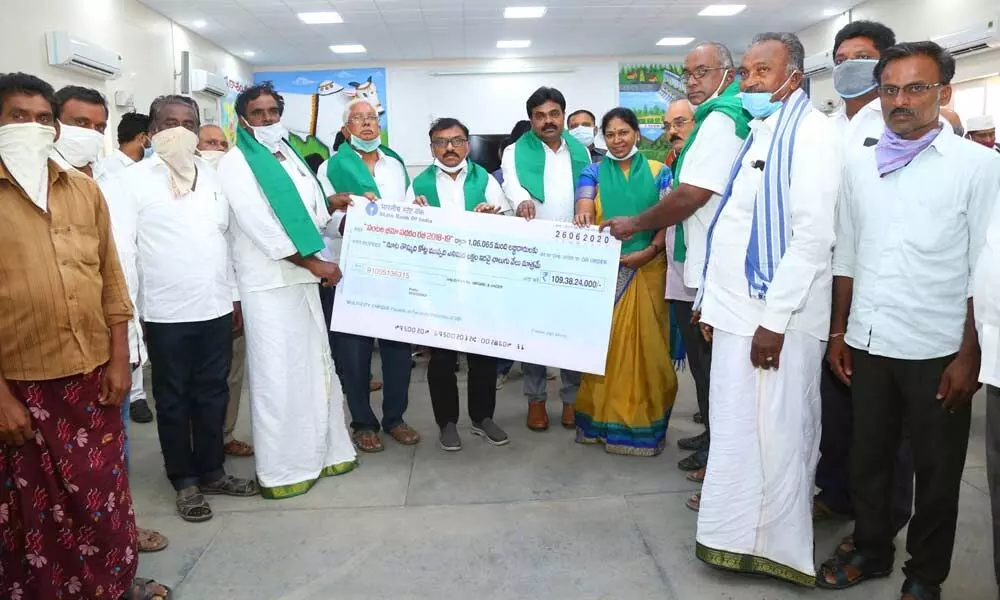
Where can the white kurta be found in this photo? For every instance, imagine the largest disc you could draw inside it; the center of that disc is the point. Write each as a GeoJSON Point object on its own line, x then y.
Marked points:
{"type": "Point", "coordinates": [296, 401]}
{"type": "Point", "coordinates": [756, 504]}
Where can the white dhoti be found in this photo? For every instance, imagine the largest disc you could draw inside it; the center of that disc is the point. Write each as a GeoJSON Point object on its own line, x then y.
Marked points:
{"type": "Point", "coordinates": [296, 401]}
{"type": "Point", "coordinates": [756, 503]}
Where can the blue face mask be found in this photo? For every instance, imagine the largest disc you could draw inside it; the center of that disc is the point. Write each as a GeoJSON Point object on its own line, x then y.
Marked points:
{"type": "Point", "coordinates": [147, 152]}
{"type": "Point", "coordinates": [365, 145]}
{"type": "Point", "coordinates": [759, 104]}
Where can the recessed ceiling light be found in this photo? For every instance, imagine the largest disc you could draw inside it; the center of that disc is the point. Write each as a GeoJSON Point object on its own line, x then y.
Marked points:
{"type": "Point", "coordinates": [831, 12]}
{"type": "Point", "coordinates": [524, 12]}
{"type": "Point", "coordinates": [722, 10]}
{"type": "Point", "coordinates": [348, 48]}
{"type": "Point", "coordinates": [507, 44]}
{"type": "Point", "coordinates": [248, 53]}
{"type": "Point", "coordinates": [199, 24]}
{"type": "Point", "coordinates": [675, 41]}
{"type": "Point", "coordinates": [320, 18]}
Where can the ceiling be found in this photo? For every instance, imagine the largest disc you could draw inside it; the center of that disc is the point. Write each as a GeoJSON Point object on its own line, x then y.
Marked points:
{"type": "Point", "coordinates": [395, 30]}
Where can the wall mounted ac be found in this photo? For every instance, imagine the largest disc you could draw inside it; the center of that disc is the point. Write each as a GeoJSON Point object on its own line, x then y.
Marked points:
{"type": "Point", "coordinates": [208, 83]}
{"type": "Point", "coordinates": [818, 63]}
{"type": "Point", "coordinates": [70, 52]}
{"type": "Point", "coordinates": [978, 37]}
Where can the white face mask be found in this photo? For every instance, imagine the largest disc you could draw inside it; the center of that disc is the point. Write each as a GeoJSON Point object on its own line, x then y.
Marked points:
{"type": "Point", "coordinates": [583, 134]}
{"type": "Point", "coordinates": [450, 170]}
{"type": "Point", "coordinates": [24, 150]}
{"type": "Point", "coordinates": [78, 145]}
{"type": "Point", "coordinates": [271, 136]}
{"type": "Point", "coordinates": [212, 156]}
{"type": "Point", "coordinates": [176, 146]}
{"type": "Point", "coordinates": [630, 154]}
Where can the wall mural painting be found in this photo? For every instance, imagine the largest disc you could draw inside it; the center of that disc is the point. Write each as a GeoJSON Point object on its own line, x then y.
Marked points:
{"type": "Point", "coordinates": [647, 90]}
{"type": "Point", "coordinates": [315, 101]}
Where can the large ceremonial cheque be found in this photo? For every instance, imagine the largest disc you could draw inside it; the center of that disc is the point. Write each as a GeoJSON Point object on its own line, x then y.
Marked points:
{"type": "Point", "coordinates": [539, 292]}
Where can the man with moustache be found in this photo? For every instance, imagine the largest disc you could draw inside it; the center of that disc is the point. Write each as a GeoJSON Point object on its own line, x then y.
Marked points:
{"type": "Point", "coordinates": [903, 331]}
{"type": "Point", "coordinates": [363, 166]}
{"type": "Point", "coordinates": [701, 172]}
{"type": "Point", "coordinates": [280, 210]}
{"type": "Point", "coordinates": [765, 303]}
{"type": "Point", "coordinates": [455, 183]}
{"type": "Point", "coordinates": [540, 172]}
{"type": "Point", "coordinates": [856, 50]}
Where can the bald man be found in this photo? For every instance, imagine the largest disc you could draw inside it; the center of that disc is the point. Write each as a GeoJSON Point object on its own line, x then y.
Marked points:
{"type": "Point", "coordinates": [212, 143]}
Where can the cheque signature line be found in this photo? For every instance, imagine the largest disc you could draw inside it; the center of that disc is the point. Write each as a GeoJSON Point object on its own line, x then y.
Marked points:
{"type": "Point", "coordinates": [416, 268]}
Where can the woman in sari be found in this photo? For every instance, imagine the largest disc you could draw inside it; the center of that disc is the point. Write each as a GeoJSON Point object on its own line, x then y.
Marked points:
{"type": "Point", "coordinates": [628, 408]}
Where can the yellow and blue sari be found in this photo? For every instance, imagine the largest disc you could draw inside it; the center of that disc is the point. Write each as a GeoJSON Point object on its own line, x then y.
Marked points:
{"type": "Point", "coordinates": [629, 407]}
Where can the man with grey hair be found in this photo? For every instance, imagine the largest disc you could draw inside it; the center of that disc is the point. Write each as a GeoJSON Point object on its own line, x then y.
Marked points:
{"type": "Point", "coordinates": [701, 172]}
{"type": "Point", "coordinates": [765, 304]}
{"type": "Point", "coordinates": [280, 211]}
{"type": "Point", "coordinates": [365, 167]}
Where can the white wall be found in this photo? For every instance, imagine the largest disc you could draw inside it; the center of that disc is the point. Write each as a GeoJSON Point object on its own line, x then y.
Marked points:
{"type": "Point", "coordinates": [417, 92]}
{"type": "Point", "coordinates": [150, 43]}
{"type": "Point", "coordinates": [912, 20]}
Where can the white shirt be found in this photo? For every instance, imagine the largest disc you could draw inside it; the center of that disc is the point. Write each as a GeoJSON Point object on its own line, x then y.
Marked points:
{"type": "Point", "coordinates": [114, 164]}
{"type": "Point", "coordinates": [390, 178]}
{"type": "Point", "coordinates": [124, 222]}
{"type": "Point", "coordinates": [260, 244]}
{"type": "Point", "coordinates": [557, 182]}
{"type": "Point", "coordinates": [451, 192]}
{"type": "Point", "coordinates": [798, 297]}
{"type": "Point", "coordinates": [910, 241]}
{"type": "Point", "coordinates": [707, 165]}
{"type": "Point", "coordinates": [866, 123]}
{"type": "Point", "coordinates": [183, 254]}
{"type": "Point", "coordinates": [986, 293]}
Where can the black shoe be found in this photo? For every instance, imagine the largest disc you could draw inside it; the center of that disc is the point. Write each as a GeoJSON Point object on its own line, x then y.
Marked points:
{"type": "Point", "coordinates": [693, 444]}
{"type": "Point", "coordinates": [698, 460]}
{"type": "Point", "coordinates": [139, 412]}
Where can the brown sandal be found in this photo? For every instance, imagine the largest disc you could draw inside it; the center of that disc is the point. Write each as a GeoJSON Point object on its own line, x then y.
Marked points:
{"type": "Point", "coordinates": [405, 435]}
{"type": "Point", "coordinates": [368, 441]}
{"type": "Point", "coordinates": [694, 502]}
{"type": "Point", "coordinates": [150, 541]}
{"type": "Point", "coordinates": [238, 448]}
{"type": "Point", "coordinates": [697, 476]}
{"type": "Point", "coordinates": [147, 589]}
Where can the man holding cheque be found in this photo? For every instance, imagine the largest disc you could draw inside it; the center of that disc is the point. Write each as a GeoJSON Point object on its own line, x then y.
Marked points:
{"type": "Point", "coordinates": [455, 183]}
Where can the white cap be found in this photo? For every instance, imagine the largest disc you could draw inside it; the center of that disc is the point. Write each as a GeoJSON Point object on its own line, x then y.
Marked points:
{"type": "Point", "coordinates": [980, 123]}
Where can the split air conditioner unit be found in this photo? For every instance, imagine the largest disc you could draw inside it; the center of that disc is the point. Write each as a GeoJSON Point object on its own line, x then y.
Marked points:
{"type": "Point", "coordinates": [818, 63]}
{"type": "Point", "coordinates": [70, 52]}
{"type": "Point", "coordinates": [209, 83]}
{"type": "Point", "coordinates": [979, 37]}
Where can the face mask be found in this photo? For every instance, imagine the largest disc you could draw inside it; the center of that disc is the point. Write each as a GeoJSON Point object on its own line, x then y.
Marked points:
{"type": "Point", "coordinates": [630, 154]}
{"type": "Point", "coordinates": [271, 136]}
{"type": "Point", "coordinates": [759, 104]}
{"type": "Point", "coordinates": [450, 170]}
{"type": "Point", "coordinates": [147, 151]}
{"type": "Point", "coordinates": [25, 149]}
{"type": "Point", "coordinates": [78, 145]}
{"type": "Point", "coordinates": [583, 134]}
{"type": "Point", "coordinates": [176, 146]}
{"type": "Point", "coordinates": [854, 78]}
{"type": "Point", "coordinates": [365, 145]}
{"type": "Point", "coordinates": [212, 156]}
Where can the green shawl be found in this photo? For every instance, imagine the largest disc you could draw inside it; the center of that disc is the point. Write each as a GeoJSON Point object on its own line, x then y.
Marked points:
{"type": "Point", "coordinates": [281, 194]}
{"type": "Point", "coordinates": [529, 162]}
{"type": "Point", "coordinates": [623, 196]}
{"type": "Point", "coordinates": [349, 173]}
{"type": "Point", "coordinates": [729, 104]}
{"type": "Point", "coordinates": [425, 185]}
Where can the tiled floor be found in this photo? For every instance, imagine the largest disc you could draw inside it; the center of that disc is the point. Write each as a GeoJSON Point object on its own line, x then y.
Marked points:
{"type": "Point", "coordinates": [541, 518]}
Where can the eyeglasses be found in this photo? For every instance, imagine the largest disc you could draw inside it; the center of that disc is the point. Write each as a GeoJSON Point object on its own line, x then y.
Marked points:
{"type": "Point", "coordinates": [362, 119]}
{"type": "Point", "coordinates": [677, 123]}
{"type": "Point", "coordinates": [912, 89]}
{"type": "Point", "coordinates": [458, 142]}
{"type": "Point", "coordinates": [698, 74]}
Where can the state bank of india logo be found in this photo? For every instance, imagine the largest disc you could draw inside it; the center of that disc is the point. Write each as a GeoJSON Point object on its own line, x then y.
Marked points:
{"type": "Point", "coordinates": [372, 209]}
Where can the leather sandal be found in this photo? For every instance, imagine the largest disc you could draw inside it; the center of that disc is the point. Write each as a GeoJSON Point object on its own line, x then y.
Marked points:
{"type": "Point", "coordinates": [914, 590]}
{"type": "Point", "coordinates": [147, 589]}
{"type": "Point", "coordinates": [367, 441]}
{"type": "Point", "coordinates": [150, 541]}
